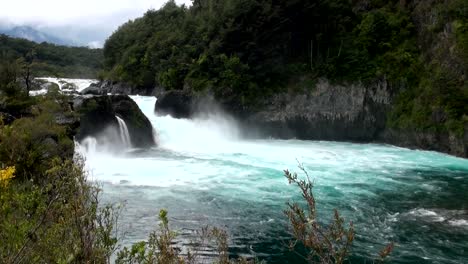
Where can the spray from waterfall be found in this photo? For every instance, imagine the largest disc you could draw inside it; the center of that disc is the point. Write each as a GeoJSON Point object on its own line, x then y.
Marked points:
{"type": "Point", "coordinates": [123, 132]}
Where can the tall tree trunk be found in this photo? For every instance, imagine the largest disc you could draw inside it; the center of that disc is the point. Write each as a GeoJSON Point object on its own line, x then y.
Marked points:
{"type": "Point", "coordinates": [311, 54]}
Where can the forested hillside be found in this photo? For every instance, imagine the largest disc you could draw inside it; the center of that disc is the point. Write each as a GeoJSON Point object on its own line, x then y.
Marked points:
{"type": "Point", "coordinates": [245, 50]}
{"type": "Point", "coordinates": [52, 60]}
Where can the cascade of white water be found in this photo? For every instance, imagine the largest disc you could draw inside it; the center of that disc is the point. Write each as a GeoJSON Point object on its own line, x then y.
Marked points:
{"type": "Point", "coordinates": [123, 131]}
{"type": "Point", "coordinates": [207, 133]}
{"type": "Point", "coordinates": [86, 147]}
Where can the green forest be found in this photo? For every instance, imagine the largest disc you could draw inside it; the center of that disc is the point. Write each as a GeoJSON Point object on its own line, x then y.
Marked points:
{"type": "Point", "coordinates": [52, 60]}
{"type": "Point", "coordinates": [246, 50]}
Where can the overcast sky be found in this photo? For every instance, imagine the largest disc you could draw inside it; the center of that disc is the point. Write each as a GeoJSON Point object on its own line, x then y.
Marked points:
{"type": "Point", "coordinates": [92, 20]}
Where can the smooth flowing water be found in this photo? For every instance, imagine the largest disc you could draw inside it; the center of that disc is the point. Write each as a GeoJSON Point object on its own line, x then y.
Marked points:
{"type": "Point", "coordinates": [123, 132]}
{"type": "Point", "coordinates": [205, 173]}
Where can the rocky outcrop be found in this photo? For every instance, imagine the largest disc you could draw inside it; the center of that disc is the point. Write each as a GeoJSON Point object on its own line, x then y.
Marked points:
{"type": "Point", "coordinates": [109, 87]}
{"type": "Point", "coordinates": [99, 112]}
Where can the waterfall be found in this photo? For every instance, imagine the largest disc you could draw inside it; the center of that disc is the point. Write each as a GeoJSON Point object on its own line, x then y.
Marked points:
{"type": "Point", "coordinates": [208, 132]}
{"type": "Point", "coordinates": [123, 131]}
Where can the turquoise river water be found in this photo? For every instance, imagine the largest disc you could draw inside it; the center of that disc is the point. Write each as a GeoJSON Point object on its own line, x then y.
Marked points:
{"type": "Point", "coordinates": [205, 173]}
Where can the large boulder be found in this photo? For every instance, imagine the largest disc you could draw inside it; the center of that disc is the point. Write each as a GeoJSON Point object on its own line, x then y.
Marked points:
{"type": "Point", "coordinates": [139, 127]}
{"type": "Point", "coordinates": [178, 104]}
{"type": "Point", "coordinates": [187, 104]}
{"type": "Point", "coordinates": [98, 113]}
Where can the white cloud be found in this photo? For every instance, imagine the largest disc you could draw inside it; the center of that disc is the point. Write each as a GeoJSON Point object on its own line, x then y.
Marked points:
{"type": "Point", "coordinates": [53, 12]}
{"type": "Point", "coordinates": [85, 21]}
{"type": "Point", "coordinates": [95, 44]}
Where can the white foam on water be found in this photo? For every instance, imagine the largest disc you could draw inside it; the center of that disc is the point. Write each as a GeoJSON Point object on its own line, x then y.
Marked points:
{"type": "Point", "coordinates": [81, 84]}
{"type": "Point", "coordinates": [427, 214]}
{"type": "Point", "coordinates": [459, 222]}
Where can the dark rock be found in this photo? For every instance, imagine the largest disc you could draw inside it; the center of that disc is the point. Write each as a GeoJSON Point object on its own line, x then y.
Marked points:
{"type": "Point", "coordinates": [94, 89]}
{"type": "Point", "coordinates": [186, 104]}
{"type": "Point", "coordinates": [99, 112]}
{"type": "Point", "coordinates": [178, 104]}
{"type": "Point", "coordinates": [6, 118]}
{"type": "Point", "coordinates": [96, 114]}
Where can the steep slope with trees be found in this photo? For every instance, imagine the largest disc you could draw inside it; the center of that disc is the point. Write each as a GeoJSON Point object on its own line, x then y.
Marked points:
{"type": "Point", "coordinates": [52, 60]}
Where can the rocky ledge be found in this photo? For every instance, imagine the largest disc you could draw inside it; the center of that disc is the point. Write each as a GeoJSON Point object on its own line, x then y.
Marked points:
{"type": "Point", "coordinates": [97, 113]}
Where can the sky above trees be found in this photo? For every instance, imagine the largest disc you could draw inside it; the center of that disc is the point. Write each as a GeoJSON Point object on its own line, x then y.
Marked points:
{"type": "Point", "coordinates": [90, 20]}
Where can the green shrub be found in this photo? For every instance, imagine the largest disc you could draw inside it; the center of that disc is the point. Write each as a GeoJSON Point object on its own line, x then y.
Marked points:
{"type": "Point", "coordinates": [36, 217]}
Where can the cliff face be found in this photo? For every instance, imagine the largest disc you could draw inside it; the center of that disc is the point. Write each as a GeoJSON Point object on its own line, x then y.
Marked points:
{"type": "Point", "coordinates": [329, 112]}
{"type": "Point", "coordinates": [446, 142]}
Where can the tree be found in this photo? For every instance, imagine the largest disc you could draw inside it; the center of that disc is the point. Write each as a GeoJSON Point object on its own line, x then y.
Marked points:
{"type": "Point", "coordinates": [26, 65]}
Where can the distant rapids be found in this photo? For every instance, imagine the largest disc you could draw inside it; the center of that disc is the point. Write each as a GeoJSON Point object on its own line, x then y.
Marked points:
{"type": "Point", "coordinates": [205, 173]}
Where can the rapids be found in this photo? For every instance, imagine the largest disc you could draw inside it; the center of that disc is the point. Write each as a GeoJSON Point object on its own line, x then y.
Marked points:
{"type": "Point", "coordinates": [205, 173]}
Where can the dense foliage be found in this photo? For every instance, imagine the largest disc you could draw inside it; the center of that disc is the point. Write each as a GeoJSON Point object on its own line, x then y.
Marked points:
{"type": "Point", "coordinates": [44, 194]}
{"type": "Point", "coordinates": [247, 50]}
{"type": "Point", "coordinates": [53, 60]}
{"type": "Point", "coordinates": [438, 100]}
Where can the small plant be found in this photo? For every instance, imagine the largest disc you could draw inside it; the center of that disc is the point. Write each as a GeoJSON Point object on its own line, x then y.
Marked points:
{"type": "Point", "coordinates": [160, 247]}
{"type": "Point", "coordinates": [323, 243]}
{"type": "Point", "coordinates": [329, 244]}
